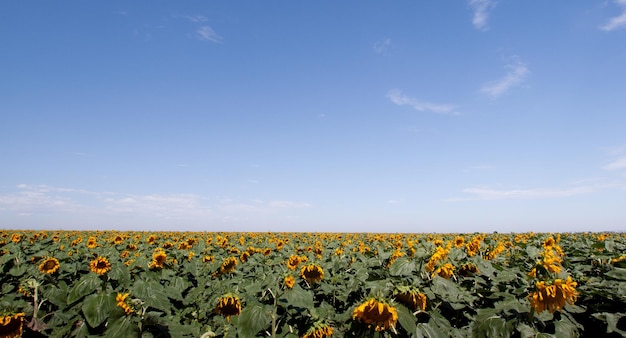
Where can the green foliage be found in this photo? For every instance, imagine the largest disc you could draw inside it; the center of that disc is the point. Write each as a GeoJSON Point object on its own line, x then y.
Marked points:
{"type": "Point", "coordinates": [485, 294]}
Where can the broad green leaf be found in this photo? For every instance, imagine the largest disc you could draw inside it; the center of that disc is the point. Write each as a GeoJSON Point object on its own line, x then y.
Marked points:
{"type": "Point", "coordinates": [89, 283]}
{"type": "Point", "coordinates": [402, 267]}
{"type": "Point", "coordinates": [122, 327]}
{"type": "Point", "coordinates": [405, 318]}
{"type": "Point", "coordinates": [297, 297]}
{"type": "Point", "coordinates": [617, 273]}
{"type": "Point", "coordinates": [98, 307]}
{"type": "Point", "coordinates": [254, 318]}
{"type": "Point", "coordinates": [152, 293]}
{"type": "Point", "coordinates": [427, 330]}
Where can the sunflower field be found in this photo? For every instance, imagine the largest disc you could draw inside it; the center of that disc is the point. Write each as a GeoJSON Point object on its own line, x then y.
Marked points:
{"type": "Point", "coordinates": [313, 285]}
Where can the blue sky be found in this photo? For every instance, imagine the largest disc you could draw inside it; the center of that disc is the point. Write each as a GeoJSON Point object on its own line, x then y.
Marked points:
{"type": "Point", "coordinates": [369, 116]}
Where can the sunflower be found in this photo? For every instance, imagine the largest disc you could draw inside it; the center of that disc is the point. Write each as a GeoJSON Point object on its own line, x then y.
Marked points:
{"type": "Point", "coordinates": [100, 265]}
{"type": "Point", "coordinates": [412, 299]}
{"type": "Point", "coordinates": [49, 266]}
{"type": "Point", "coordinates": [228, 305]}
{"type": "Point", "coordinates": [459, 241]}
{"type": "Point", "coordinates": [553, 297]}
{"type": "Point", "coordinates": [244, 256]}
{"type": "Point", "coordinates": [289, 281]}
{"type": "Point", "coordinates": [376, 312]}
{"type": "Point", "coordinates": [158, 259]}
{"type": "Point", "coordinates": [118, 239]}
{"type": "Point", "coordinates": [312, 273]}
{"type": "Point", "coordinates": [468, 270]}
{"type": "Point", "coordinates": [16, 238]}
{"type": "Point", "coordinates": [92, 242]}
{"type": "Point", "coordinates": [473, 247]}
{"type": "Point", "coordinates": [292, 262]}
{"type": "Point", "coordinates": [319, 330]}
{"type": "Point", "coordinates": [11, 325]}
{"type": "Point", "coordinates": [121, 302]}
{"type": "Point", "coordinates": [228, 265]}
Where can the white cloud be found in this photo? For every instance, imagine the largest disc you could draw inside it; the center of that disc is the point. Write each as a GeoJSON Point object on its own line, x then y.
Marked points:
{"type": "Point", "coordinates": [516, 74]}
{"type": "Point", "coordinates": [164, 206]}
{"type": "Point", "coordinates": [395, 201]}
{"type": "Point", "coordinates": [196, 18]}
{"type": "Point", "coordinates": [617, 21]}
{"type": "Point", "coordinates": [481, 10]}
{"type": "Point", "coordinates": [287, 204]}
{"type": "Point", "coordinates": [396, 96]}
{"type": "Point", "coordinates": [620, 163]}
{"type": "Point", "coordinates": [485, 193]}
{"type": "Point", "coordinates": [381, 47]}
{"type": "Point", "coordinates": [207, 33]}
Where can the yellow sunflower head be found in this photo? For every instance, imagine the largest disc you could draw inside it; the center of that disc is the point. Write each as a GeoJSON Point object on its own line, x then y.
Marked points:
{"type": "Point", "coordinates": [377, 313]}
{"type": "Point", "coordinates": [159, 257]}
{"type": "Point", "coordinates": [290, 281]}
{"type": "Point", "coordinates": [228, 305]}
{"type": "Point", "coordinates": [11, 325]}
{"type": "Point", "coordinates": [100, 265]}
{"type": "Point", "coordinates": [312, 273]}
{"type": "Point", "coordinates": [319, 330]}
{"type": "Point", "coordinates": [121, 302]}
{"type": "Point", "coordinates": [412, 298]}
{"type": "Point", "coordinates": [228, 265]}
{"type": "Point", "coordinates": [553, 297]}
{"type": "Point", "coordinates": [49, 265]}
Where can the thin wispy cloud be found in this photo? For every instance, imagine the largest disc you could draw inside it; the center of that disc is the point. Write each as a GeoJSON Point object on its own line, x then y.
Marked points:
{"type": "Point", "coordinates": [206, 33]}
{"type": "Point", "coordinates": [196, 18]}
{"type": "Point", "coordinates": [616, 22]}
{"type": "Point", "coordinates": [382, 47]}
{"type": "Point", "coordinates": [397, 97]}
{"type": "Point", "coordinates": [617, 164]}
{"type": "Point", "coordinates": [481, 9]}
{"type": "Point", "coordinates": [517, 73]}
{"type": "Point", "coordinates": [38, 200]}
{"type": "Point", "coordinates": [486, 193]}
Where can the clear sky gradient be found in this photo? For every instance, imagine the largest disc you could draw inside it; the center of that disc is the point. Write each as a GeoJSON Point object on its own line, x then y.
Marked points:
{"type": "Point", "coordinates": [368, 116]}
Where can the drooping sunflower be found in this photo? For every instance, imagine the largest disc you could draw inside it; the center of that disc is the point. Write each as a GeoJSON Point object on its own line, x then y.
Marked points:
{"type": "Point", "coordinates": [446, 271]}
{"type": "Point", "coordinates": [49, 265]}
{"type": "Point", "coordinates": [553, 297]}
{"type": "Point", "coordinates": [228, 265]}
{"type": "Point", "coordinates": [11, 325]}
{"type": "Point", "coordinates": [16, 238]}
{"type": "Point", "coordinates": [100, 265]}
{"type": "Point", "coordinates": [376, 312]}
{"type": "Point", "coordinates": [413, 299]}
{"type": "Point", "coordinates": [290, 281]}
{"type": "Point", "coordinates": [468, 269]}
{"type": "Point", "coordinates": [228, 305]}
{"type": "Point", "coordinates": [319, 330]}
{"type": "Point", "coordinates": [312, 273]}
{"type": "Point", "coordinates": [121, 302]}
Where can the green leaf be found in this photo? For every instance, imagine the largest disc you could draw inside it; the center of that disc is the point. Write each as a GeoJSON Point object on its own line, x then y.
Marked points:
{"type": "Point", "coordinates": [611, 320]}
{"type": "Point", "coordinates": [86, 285]}
{"type": "Point", "coordinates": [617, 273]}
{"type": "Point", "coordinates": [402, 267]}
{"type": "Point", "coordinates": [297, 297]}
{"type": "Point", "coordinates": [152, 293]}
{"type": "Point", "coordinates": [405, 318]}
{"type": "Point", "coordinates": [427, 330]}
{"type": "Point", "coordinates": [122, 327]}
{"type": "Point", "coordinates": [97, 308]}
{"type": "Point", "coordinates": [254, 318]}
{"type": "Point", "coordinates": [120, 273]}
